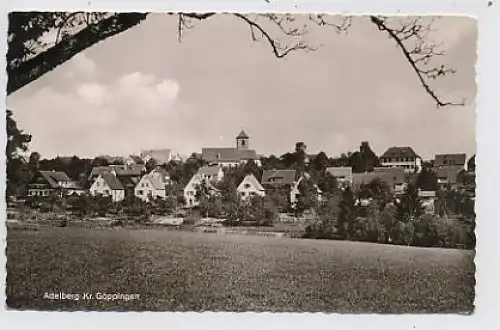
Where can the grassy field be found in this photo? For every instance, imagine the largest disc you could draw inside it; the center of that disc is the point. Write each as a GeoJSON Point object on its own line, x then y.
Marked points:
{"type": "Point", "coordinates": [181, 271]}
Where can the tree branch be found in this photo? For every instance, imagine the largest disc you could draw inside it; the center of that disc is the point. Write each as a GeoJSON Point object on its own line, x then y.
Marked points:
{"type": "Point", "coordinates": [421, 53]}
{"type": "Point", "coordinates": [44, 62]}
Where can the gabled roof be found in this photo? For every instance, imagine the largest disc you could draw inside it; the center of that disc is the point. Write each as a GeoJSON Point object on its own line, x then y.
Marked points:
{"type": "Point", "coordinates": [53, 177]}
{"type": "Point", "coordinates": [96, 171]}
{"type": "Point", "coordinates": [391, 176]}
{"type": "Point", "coordinates": [242, 135]}
{"type": "Point", "coordinates": [129, 170]}
{"type": "Point", "coordinates": [155, 180]}
{"type": "Point", "coordinates": [197, 180]}
{"type": "Point", "coordinates": [340, 171]}
{"type": "Point", "coordinates": [112, 181]}
{"type": "Point", "coordinates": [228, 154]}
{"type": "Point", "coordinates": [271, 177]}
{"type": "Point", "coordinates": [450, 174]}
{"type": "Point", "coordinates": [399, 152]}
{"type": "Point", "coordinates": [161, 156]}
{"type": "Point", "coordinates": [209, 170]}
{"type": "Point", "coordinates": [252, 180]}
{"type": "Point", "coordinates": [449, 159]}
{"type": "Point", "coordinates": [119, 170]}
{"type": "Point", "coordinates": [136, 159]}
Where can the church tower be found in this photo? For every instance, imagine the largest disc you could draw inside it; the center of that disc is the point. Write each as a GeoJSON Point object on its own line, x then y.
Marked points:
{"type": "Point", "coordinates": [242, 141]}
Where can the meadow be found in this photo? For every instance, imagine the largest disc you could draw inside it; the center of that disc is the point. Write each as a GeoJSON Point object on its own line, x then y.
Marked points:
{"type": "Point", "coordinates": [189, 271]}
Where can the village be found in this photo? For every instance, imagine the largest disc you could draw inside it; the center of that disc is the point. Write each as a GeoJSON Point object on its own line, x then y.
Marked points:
{"type": "Point", "coordinates": [266, 190]}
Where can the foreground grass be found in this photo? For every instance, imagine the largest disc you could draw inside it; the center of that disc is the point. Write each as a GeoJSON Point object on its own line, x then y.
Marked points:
{"type": "Point", "coordinates": [183, 271]}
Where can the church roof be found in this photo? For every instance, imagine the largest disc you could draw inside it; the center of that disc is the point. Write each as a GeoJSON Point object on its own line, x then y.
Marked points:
{"type": "Point", "coordinates": [242, 135]}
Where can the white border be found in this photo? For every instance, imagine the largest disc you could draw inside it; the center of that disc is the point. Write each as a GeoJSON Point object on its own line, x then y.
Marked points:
{"type": "Point", "coordinates": [488, 270]}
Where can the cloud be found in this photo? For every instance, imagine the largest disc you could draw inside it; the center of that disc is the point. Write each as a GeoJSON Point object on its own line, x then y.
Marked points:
{"type": "Point", "coordinates": [94, 118]}
{"type": "Point", "coordinates": [80, 66]}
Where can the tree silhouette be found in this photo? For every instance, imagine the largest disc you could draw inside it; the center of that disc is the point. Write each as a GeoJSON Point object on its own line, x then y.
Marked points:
{"type": "Point", "coordinates": [29, 57]}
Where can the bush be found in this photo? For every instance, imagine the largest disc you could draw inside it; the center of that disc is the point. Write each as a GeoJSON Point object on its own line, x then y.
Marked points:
{"type": "Point", "coordinates": [426, 231]}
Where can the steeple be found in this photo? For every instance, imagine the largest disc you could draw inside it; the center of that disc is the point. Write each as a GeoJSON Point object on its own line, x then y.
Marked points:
{"type": "Point", "coordinates": [242, 141]}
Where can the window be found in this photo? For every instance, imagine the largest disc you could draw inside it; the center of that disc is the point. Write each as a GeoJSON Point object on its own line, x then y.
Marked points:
{"type": "Point", "coordinates": [106, 192]}
{"type": "Point", "coordinates": [252, 193]}
{"type": "Point", "coordinates": [243, 194]}
{"type": "Point", "coordinates": [140, 192]}
{"type": "Point", "coordinates": [247, 185]}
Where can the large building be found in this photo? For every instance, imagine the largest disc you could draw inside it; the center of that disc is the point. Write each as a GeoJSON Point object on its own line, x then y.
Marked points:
{"type": "Point", "coordinates": [53, 183]}
{"type": "Point", "coordinates": [402, 157]}
{"type": "Point", "coordinates": [231, 157]}
{"type": "Point", "coordinates": [446, 161]}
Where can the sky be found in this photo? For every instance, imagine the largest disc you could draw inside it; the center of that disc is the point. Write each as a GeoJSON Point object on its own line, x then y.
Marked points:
{"type": "Point", "coordinates": [143, 89]}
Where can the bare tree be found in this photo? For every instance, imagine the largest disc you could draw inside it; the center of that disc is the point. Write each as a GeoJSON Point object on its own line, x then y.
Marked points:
{"type": "Point", "coordinates": [29, 56]}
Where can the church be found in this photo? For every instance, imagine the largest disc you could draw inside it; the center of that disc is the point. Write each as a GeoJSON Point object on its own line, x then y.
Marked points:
{"type": "Point", "coordinates": [231, 157]}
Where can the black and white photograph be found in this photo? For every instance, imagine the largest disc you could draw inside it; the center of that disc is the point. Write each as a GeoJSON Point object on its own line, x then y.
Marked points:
{"type": "Point", "coordinates": [241, 162]}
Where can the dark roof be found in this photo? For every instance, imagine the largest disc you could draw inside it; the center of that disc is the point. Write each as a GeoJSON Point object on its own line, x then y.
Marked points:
{"type": "Point", "coordinates": [121, 170]}
{"type": "Point", "coordinates": [399, 152]}
{"type": "Point", "coordinates": [100, 170]}
{"type": "Point", "coordinates": [209, 170]}
{"type": "Point", "coordinates": [450, 174]}
{"type": "Point", "coordinates": [271, 177]}
{"type": "Point", "coordinates": [449, 159]}
{"type": "Point", "coordinates": [129, 170]}
{"type": "Point", "coordinates": [391, 176]}
{"type": "Point", "coordinates": [242, 135]}
{"type": "Point", "coordinates": [228, 154]}
{"type": "Point", "coordinates": [53, 177]}
{"type": "Point", "coordinates": [112, 181]}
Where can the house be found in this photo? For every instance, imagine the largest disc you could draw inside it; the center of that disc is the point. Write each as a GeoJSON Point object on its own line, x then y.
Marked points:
{"type": "Point", "coordinates": [393, 177]}
{"type": "Point", "coordinates": [108, 185]}
{"type": "Point", "coordinates": [428, 198]}
{"type": "Point", "coordinates": [133, 160]}
{"type": "Point", "coordinates": [402, 157]}
{"type": "Point", "coordinates": [150, 186]}
{"type": "Point", "coordinates": [295, 192]}
{"type": "Point", "coordinates": [343, 175]}
{"type": "Point", "coordinates": [132, 170]}
{"type": "Point", "coordinates": [450, 160]}
{"type": "Point", "coordinates": [192, 187]}
{"type": "Point", "coordinates": [448, 176]}
{"type": "Point", "coordinates": [162, 175]}
{"type": "Point", "coordinates": [250, 187]}
{"type": "Point", "coordinates": [53, 183]}
{"type": "Point", "coordinates": [230, 157]}
{"type": "Point", "coordinates": [212, 173]}
{"type": "Point", "coordinates": [275, 179]}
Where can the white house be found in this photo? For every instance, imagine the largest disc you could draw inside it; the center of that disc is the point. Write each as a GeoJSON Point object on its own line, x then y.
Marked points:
{"type": "Point", "coordinates": [402, 157]}
{"type": "Point", "coordinates": [192, 186]}
{"type": "Point", "coordinates": [107, 184]}
{"type": "Point", "coordinates": [295, 192]}
{"type": "Point", "coordinates": [213, 173]}
{"type": "Point", "coordinates": [151, 186]}
{"type": "Point", "coordinates": [250, 187]}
